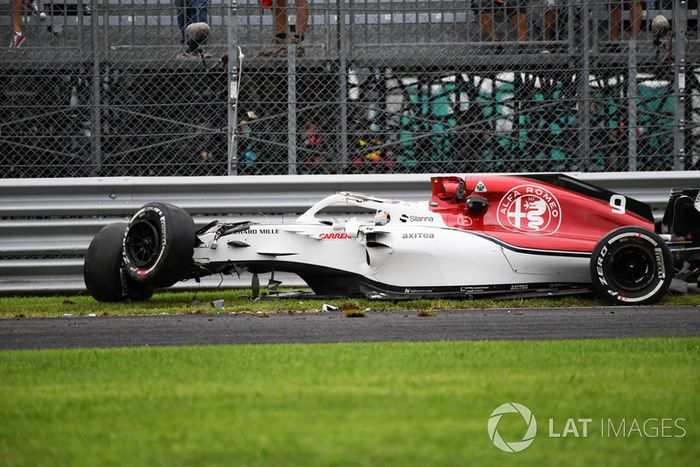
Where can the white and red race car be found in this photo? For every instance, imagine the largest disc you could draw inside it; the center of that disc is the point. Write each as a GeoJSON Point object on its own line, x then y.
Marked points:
{"type": "Point", "coordinates": [496, 235]}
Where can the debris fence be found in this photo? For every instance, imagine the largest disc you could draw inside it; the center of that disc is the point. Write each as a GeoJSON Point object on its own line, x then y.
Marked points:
{"type": "Point", "coordinates": [119, 88]}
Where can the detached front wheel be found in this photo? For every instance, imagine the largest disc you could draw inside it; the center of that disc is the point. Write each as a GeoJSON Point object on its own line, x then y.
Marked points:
{"type": "Point", "coordinates": [159, 244]}
{"type": "Point", "coordinates": [103, 271]}
{"type": "Point", "coordinates": [631, 266]}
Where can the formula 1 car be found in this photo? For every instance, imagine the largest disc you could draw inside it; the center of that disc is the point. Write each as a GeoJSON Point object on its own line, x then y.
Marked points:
{"type": "Point", "coordinates": [496, 235]}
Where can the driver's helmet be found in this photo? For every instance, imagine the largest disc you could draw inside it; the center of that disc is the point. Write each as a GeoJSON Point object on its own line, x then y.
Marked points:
{"type": "Point", "coordinates": [381, 218]}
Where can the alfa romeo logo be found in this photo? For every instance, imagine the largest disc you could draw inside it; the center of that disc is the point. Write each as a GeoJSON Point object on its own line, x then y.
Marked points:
{"type": "Point", "coordinates": [528, 437]}
{"type": "Point", "coordinates": [530, 209]}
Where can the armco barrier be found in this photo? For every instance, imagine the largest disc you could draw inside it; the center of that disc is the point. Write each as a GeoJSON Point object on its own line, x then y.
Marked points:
{"type": "Point", "coordinates": [47, 224]}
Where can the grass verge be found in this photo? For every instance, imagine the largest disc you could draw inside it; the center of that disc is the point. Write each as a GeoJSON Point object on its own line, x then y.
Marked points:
{"type": "Point", "coordinates": [339, 404]}
{"type": "Point", "coordinates": [236, 301]}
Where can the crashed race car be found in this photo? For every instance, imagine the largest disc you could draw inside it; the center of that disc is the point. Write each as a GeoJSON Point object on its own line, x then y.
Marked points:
{"type": "Point", "coordinates": [484, 236]}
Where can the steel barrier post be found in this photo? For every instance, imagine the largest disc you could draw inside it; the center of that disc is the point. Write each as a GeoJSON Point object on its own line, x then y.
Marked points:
{"type": "Point", "coordinates": [585, 103]}
{"type": "Point", "coordinates": [680, 18]}
{"type": "Point", "coordinates": [95, 111]}
{"type": "Point", "coordinates": [632, 106]}
{"type": "Point", "coordinates": [232, 82]}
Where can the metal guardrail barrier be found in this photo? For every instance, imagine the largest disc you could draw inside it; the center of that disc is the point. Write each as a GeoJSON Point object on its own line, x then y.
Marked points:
{"type": "Point", "coordinates": [46, 224]}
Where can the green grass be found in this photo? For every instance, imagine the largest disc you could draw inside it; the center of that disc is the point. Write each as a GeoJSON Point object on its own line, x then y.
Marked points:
{"type": "Point", "coordinates": [345, 404]}
{"type": "Point", "coordinates": [236, 302]}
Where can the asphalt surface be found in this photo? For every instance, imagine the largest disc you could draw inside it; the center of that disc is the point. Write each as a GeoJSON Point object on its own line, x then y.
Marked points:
{"type": "Point", "coordinates": [548, 323]}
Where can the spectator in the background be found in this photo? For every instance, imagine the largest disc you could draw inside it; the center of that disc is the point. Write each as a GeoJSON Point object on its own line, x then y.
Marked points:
{"type": "Point", "coordinates": [549, 30]}
{"type": "Point", "coordinates": [315, 161]}
{"type": "Point", "coordinates": [192, 12]}
{"type": "Point", "coordinates": [516, 10]}
{"type": "Point", "coordinates": [549, 19]}
{"type": "Point", "coordinates": [635, 9]}
{"type": "Point", "coordinates": [33, 8]}
{"type": "Point", "coordinates": [278, 47]}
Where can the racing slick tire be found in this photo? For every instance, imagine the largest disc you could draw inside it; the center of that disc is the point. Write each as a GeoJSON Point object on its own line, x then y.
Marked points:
{"type": "Point", "coordinates": [631, 266]}
{"type": "Point", "coordinates": [159, 244]}
{"type": "Point", "coordinates": [102, 269]}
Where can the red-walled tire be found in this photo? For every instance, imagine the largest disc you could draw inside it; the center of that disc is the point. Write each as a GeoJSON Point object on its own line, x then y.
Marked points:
{"type": "Point", "coordinates": [102, 269]}
{"type": "Point", "coordinates": [631, 266]}
{"type": "Point", "coordinates": [159, 244]}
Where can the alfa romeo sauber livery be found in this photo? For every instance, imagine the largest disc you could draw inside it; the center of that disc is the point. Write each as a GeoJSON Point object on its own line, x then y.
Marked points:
{"type": "Point", "coordinates": [495, 235]}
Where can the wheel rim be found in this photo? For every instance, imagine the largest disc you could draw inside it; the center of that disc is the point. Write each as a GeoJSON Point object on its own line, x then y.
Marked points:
{"type": "Point", "coordinates": [142, 243]}
{"type": "Point", "coordinates": [632, 268]}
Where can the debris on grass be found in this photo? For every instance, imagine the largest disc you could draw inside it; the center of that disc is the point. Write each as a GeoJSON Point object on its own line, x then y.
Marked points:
{"type": "Point", "coordinates": [92, 315]}
{"type": "Point", "coordinates": [349, 306]}
{"type": "Point", "coordinates": [68, 315]}
{"type": "Point", "coordinates": [218, 303]}
{"type": "Point", "coordinates": [354, 313]}
{"type": "Point", "coordinates": [427, 313]}
{"type": "Point", "coordinates": [67, 302]}
{"type": "Point", "coordinates": [328, 307]}
{"type": "Point", "coordinates": [262, 314]}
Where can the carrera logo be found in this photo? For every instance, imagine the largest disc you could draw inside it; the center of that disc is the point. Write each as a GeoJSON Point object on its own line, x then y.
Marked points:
{"type": "Point", "coordinates": [529, 209]}
{"type": "Point", "coordinates": [334, 236]}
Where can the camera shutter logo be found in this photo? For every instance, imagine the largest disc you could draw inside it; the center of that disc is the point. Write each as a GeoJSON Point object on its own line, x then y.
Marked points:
{"type": "Point", "coordinates": [513, 446]}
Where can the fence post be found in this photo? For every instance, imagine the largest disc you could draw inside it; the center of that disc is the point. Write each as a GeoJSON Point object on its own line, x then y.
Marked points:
{"type": "Point", "coordinates": [95, 110]}
{"type": "Point", "coordinates": [680, 18]}
{"type": "Point", "coordinates": [232, 86]}
{"type": "Point", "coordinates": [584, 111]}
{"type": "Point", "coordinates": [632, 106]}
{"type": "Point", "coordinates": [291, 109]}
{"type": "Point", "coordinates": [343, 87]}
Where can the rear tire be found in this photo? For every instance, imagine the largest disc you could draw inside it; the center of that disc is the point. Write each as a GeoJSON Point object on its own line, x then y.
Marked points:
{"type": "Point", "coordinates": [631, 266]}
{"type": "Point", "coordinates": [102, 269]}
{"type": "Point", "coordinates": [159, 244]}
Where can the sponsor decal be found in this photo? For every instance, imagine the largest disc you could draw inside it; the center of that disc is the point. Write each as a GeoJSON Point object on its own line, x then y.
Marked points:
{"type": "Point", "coordinates": [257, 232]}
{"type": "Point", "coordinates": [412, 236]}
{"type": "Point", "coordinates": [516, 287]}
{"type": "Point", "coordinates": [481, 288]}
{"type": "Point", "coordinates": [464, 221]}
{"type": "Point", "coordinates": [413, 218]}
{"type": "Point", "coordinates": [480, 187]}
{"type": "Point", "coordinates": [418, 291]}
{"type": "Point", "coordinates": [334, 236]}
{"type": "Point", "coordinates": [530, 209]}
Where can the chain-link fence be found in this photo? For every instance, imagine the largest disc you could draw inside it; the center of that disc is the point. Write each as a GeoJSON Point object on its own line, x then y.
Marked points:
{"type": "Point", "coordinates": [122, 87]}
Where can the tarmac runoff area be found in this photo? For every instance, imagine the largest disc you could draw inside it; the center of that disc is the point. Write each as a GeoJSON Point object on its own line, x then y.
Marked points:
{"type": "Point", "coordinates": [491, 324]}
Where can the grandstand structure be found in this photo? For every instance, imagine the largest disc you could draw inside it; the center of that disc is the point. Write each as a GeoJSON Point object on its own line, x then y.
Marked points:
{"type": "Point", "coordinates": [100, 88]}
